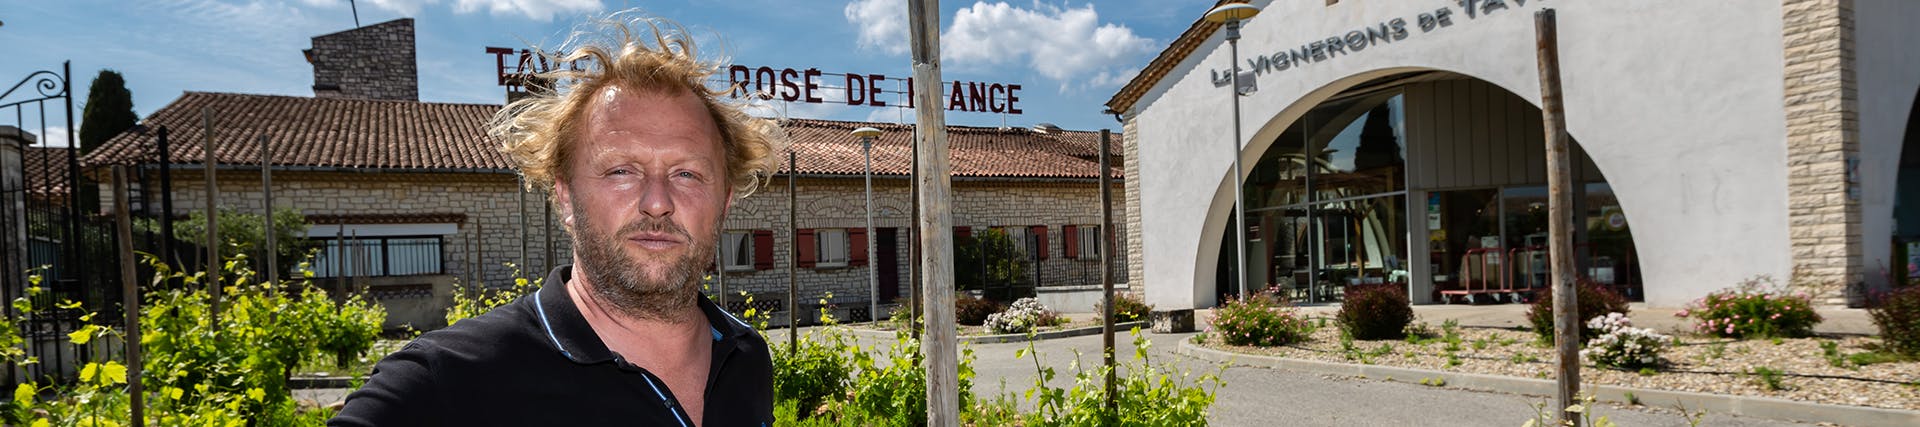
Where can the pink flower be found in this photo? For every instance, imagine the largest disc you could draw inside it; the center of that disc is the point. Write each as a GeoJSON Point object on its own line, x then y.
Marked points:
{"type": "Point", "coordinates": [1729, 329]}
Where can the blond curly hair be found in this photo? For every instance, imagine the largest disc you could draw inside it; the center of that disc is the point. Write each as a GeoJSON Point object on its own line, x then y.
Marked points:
{"type": "Point", "coordinates": [631, 50]}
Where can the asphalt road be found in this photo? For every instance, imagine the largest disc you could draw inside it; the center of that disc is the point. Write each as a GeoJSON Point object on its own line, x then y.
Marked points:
{"type": "Point", "coordinates": [1267, 397]}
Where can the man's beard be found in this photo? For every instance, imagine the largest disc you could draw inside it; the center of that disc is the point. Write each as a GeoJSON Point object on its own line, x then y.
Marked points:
{"type": "Point", "coordinates": [624, 283]}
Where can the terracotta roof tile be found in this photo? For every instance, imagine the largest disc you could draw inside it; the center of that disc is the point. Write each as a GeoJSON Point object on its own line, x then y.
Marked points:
{"type": "Point", "coordinates": [46, 171]}
{"type": "Point", "coordinates": [349, 133]}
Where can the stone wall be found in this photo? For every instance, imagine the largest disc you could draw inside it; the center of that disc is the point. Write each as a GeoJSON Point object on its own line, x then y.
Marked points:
{"type": "Point", "coordinates": [1136, 253]}
{"type": "Point", "coordinates": [371, 62]}
{"type": "Point", "coordinates": [838, 203]}
{"type": "Point", "coordinates": [489, 234]}
{"type": "Point", "coordinates": [1822, 108]}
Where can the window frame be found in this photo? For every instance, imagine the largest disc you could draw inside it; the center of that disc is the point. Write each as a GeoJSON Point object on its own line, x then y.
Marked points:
{"type": "Point", "coordinates": [1089, 240]}
{"type": "Point", "coordinates": [825, 246]}
{"type": "Point", "coordinates": [743, 249]}
{"type": "Point", "coordinates": [323, 267]}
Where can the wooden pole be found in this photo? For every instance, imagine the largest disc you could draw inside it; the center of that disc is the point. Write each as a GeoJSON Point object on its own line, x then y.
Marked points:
{"type": "Point", "coordinates": [1566, 325]}
{"type": "Point", "coordinates": [546, 232]}
{"type": "Point", "coordinates": [212, 283]}
{"type": "Point", "coordinates": [793, 254]}
{"type": "Point", "coordinates": [1106, 265]}
{"type": "Point", "coordinates": [129, 292]}
{"type": "Point", "coordinates": [936, 244]}
{"type": "Point", "coordinates": [914, 310]}
{"type": "Point", "coordinates": [272, 254]}
{"type": "Point", "coordinates": [524, 265]}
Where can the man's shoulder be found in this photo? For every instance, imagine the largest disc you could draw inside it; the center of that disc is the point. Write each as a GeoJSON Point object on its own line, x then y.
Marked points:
{"type": "Point", "coordinates": [493, 337]}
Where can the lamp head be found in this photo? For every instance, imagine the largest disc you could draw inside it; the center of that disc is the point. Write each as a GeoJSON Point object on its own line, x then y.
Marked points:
{"type": "Point", "coordinates": [866, 132]}
{"type": "Point", "coordinates": [1232, 12]}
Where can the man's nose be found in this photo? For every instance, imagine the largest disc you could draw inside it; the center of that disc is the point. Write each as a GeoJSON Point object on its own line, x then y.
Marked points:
{"type": "Point", "coordinates": [656, 199]}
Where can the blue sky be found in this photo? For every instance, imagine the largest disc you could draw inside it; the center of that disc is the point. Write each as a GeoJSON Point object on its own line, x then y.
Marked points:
{"type": "Point", "coordinates": [1068, 56]}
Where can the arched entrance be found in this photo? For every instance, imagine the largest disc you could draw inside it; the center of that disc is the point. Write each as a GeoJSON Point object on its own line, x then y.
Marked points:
{"type": "Point", "coordinates": [1906, 202]}
{"type": "Point", "coordinates": [1429, 179]}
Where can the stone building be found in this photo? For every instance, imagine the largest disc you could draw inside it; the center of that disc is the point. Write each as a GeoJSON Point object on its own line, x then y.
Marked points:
{"type": "Point", "coordinates": [1398, 143]}
{"type": "Point", "coordinates": [420, 200]}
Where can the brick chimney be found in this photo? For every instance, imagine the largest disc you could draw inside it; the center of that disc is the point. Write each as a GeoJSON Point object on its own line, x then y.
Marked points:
{"type": "Point", "coordinates": [372, 62]}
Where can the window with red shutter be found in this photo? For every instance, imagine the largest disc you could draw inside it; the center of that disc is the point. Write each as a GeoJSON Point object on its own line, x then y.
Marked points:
{"type": "Point", "coordinates": [856, 247]}
{"type": "Point", "coordinates": [1070, 236]}
{"type": "Point", "coordinates": [805, 243]}
{"type": "Point", "coordinates": [762, 249]}
{"type": "Point", "coordinates": [1040, 235]}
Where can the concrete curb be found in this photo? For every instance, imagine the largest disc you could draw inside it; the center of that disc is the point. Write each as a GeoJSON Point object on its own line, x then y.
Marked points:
{"type": "Point", "coordinates": [1747, 406]}
{"type": "Point", "coordinates": [1007, 338]}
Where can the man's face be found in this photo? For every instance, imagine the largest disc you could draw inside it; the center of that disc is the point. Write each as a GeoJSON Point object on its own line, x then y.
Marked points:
{"type": "Point", "coordinates": [646, 189]}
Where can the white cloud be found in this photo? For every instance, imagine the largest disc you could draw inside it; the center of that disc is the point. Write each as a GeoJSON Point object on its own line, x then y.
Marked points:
{"type": "Point", "coordinates": [897, 115]}
{"type": "Point", "coordinates": [539, 10]}
{"type": "Point", "coordinates": [882, 24]}
{"type": "Point", "coordinates": [55, 136]}
{"type": "Point", "coordinates": [1066, 45]}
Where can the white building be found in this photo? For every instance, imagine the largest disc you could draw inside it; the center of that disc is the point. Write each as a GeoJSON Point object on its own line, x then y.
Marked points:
{"type": "Point", "coordinates": [1715, 141]}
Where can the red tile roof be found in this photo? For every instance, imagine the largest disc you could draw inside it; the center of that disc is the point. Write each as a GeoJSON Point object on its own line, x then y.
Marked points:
{"type": "Point", "coordinates": [317, 132]}
{"type": "Point", "coordinates": [46, 171]}
{"type": "Point", "coordinates": [405, 135]}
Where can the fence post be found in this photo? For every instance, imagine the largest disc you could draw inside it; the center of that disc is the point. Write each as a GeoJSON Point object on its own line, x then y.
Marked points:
{"type": "Point", "coordinates": [1566, 324]}
{"type": "Point", "coordinates": [129, 294]}
{"type": "Point", "coordinates": [212, 283]}
{"type": "Point", "coordinates": [272, 254]}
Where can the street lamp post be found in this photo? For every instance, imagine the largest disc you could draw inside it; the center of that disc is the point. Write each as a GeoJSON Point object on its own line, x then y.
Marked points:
{"type": "Point", "coordinates": [866, 135]}
{"type": "Point", "coordinates": [1232, 15]}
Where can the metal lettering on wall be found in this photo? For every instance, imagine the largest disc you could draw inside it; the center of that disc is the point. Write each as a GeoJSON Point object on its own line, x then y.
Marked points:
{"type": "Point", "coordinates": [787, 84]}
{"type": "Point", "coordinates": [1371, 36]}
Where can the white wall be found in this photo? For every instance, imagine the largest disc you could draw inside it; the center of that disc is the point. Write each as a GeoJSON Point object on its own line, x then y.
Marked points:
{"type": "Point", "coordinates": [1888, 74]}
{"type": "Point", "coordinates": [1679, 103]}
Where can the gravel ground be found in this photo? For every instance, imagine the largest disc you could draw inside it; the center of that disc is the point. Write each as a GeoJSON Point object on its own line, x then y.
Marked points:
{"type": "Point", "coordinates": [1698, 364]}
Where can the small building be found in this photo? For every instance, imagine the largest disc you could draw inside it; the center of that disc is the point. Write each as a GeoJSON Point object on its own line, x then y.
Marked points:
{"type": "Point", "coordinates": [1402, 142]}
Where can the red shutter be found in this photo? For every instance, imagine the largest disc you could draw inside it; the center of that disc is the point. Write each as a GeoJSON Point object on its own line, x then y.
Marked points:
{"type": "Point", "coordinates": [856, 247]}
{"type": "Point", "coordinates": [1070, 236]}
{"type": "Point", "coordinates": [1040, 235]}
{"type": "Point", "coordinates": [762, 249]}
{"type": "Point", "coordinates": [807, 248]}
{"type": "Point", "coordinates": [962, 233]}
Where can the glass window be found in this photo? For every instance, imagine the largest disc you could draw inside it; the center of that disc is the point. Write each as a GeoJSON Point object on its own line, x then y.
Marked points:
{"type": "Point", "coordinates": [832, 245]}
{"type": "Point", "coordinates": [1089, 242]}
{"type": "Point", "coordinates": [378, 256]}
{"type": "Point", "coordinates": [736, 249]}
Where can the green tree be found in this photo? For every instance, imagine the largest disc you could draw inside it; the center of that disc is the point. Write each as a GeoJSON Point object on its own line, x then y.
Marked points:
{"type": "Point", "coordinates": [249, 231]}
{"type": "Point", "coordinates": [990, 260]}
{"type": "Point", "coordinates": [109, 110]}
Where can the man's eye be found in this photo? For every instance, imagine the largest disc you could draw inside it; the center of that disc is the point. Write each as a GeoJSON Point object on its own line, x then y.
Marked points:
{"type": "Point", "coordinates": [619, 172]}
{"type": "Point", "coordinates": [684, 174]}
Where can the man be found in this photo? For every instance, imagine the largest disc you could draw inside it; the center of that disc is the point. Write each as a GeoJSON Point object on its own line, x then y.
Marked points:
{"type": "Point", "coordinates": [644, 162]}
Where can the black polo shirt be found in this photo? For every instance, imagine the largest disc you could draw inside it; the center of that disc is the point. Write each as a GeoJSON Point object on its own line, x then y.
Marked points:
{"type": "Point", "coordinates": [535, 361]}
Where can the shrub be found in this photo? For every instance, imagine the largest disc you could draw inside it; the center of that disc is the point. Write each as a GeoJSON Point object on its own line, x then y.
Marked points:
{"type": "Point", "coordinates": [469, 303]}
{"type": "Point", "coordinates": [1594, 300]}
{"type": "Point", "coordinates": [1898, 315]}
{"type": "Point", "coordinates": [816, 370]}
{"type": "Point", "coordinates": [1127, 307]}
{"type": "Point", "coordinates": [1145, 393]}
{"type": "Point", "coordinates": [1258, 321]}
{"type": "Point", "coordinates": [1372, 312]}
{"type": "Point", "coordinates": [971, 311]}
{"type": "Point", "coordinates": [1751, 310]}
{"type": "Point", "coordinates": [1022, 317]}
{"type": "Point", "coordinates": [1622, 346]}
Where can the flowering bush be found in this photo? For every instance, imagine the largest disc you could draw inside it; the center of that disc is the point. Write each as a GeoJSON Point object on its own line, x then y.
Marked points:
{"type": "Point", "coordinates": [1127, 307]}
{"type": "Point", "coordinates": [1260, 321]}
{"type": "Point", "coordinates": [1594, 300]}
{"type": "Point", "coordinates": [1372, 312]}
{"type": "Point", "coordinates": [1622, 346]}
{"type": "Point", "coordinates": [1021, 317]}
{"type": "Point", "coordinates": [1898, 316]}
{"type": "Point", "coordinates": [1752, 310]}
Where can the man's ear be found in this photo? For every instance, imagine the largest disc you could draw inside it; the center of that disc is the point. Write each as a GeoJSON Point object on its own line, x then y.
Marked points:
{"type": "Point", "coordinates": [563, 201]}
